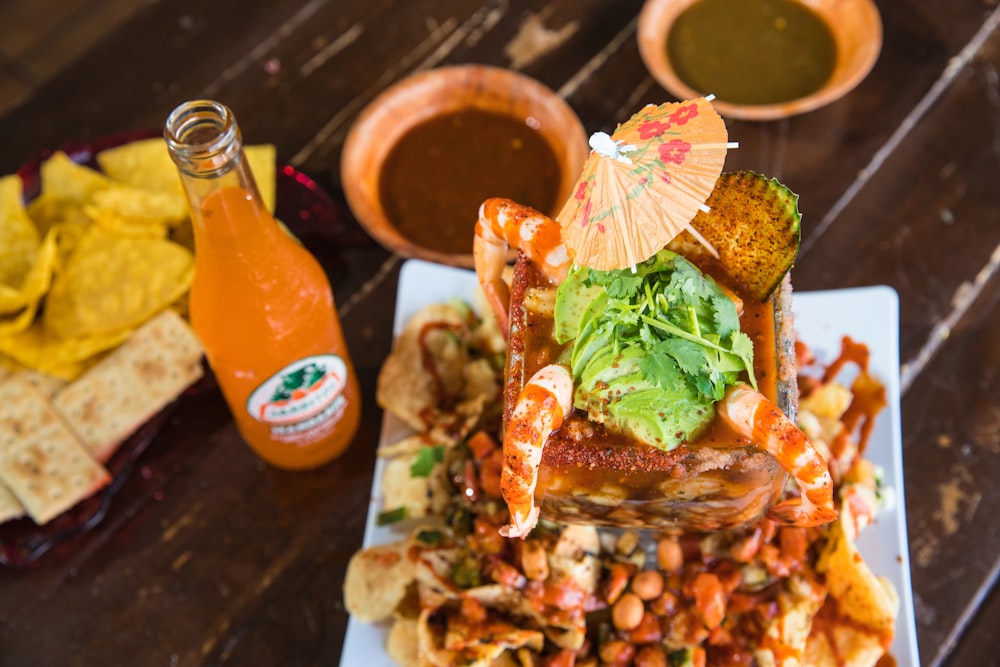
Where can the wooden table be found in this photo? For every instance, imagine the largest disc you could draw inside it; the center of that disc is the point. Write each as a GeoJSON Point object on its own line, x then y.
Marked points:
{"type": "Point", "coordinates": [208, 557]}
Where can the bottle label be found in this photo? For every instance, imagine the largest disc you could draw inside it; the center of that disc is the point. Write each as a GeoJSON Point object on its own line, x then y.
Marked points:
{"type": "Point", "coordinates": [302, 396]}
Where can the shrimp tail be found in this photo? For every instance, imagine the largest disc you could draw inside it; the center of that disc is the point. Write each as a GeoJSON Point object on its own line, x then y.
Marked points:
{"type": "Point", "coordinates": [504, 224]}
{"type": "Point", "coordinates": [541, 407]}
{"type": "Point", "coordinates": [763, 423]}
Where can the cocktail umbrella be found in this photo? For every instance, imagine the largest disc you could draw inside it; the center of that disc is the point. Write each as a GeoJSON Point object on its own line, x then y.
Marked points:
{"type": "Point", "coordinates": [642, 185]}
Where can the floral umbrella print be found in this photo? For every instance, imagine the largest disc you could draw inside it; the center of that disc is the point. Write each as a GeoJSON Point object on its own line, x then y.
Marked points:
{"type": "Point", "coordinates": [642, 185]}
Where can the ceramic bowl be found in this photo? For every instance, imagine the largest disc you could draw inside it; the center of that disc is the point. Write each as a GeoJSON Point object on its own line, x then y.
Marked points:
{"type": "Point", "coordinates": [441, 91]}
{"type": "Point", "coordinates": [857, 32]}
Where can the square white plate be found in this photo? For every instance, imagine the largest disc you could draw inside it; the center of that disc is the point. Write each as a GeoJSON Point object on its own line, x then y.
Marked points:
{"type": "Point", "coordinates": [869, 315]}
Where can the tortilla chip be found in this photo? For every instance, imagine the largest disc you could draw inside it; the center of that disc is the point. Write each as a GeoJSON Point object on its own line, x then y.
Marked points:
{"type": "Point", "coordinates": [421, 495]}
{"type": "Point", "coordinates": [842, 645]}
{"type": "Point", "coordinates": [829, 400]}
{"type": "Point", "coordinates": [402, 643]}
{"type": "Point", "coordinates": [139, 205]}
{"type": "Point", "coordinates": [18, 306]}
{"type": "Point", "coordinates": [446, 638]}
{"type": "Point", "coordinates": [405, 387]}
{"type": "Point", "coordinates": [376, 581]}
{"type": "Point", "coordinates": [114, 282]}
{"type": "Point", "coordinates": [147, 164]}
{"type": "Point", "coordinates": [68, 217]}
{"type": "Point", "coordinates": [865, 598]}
{"type": "Point", "coordinates": [67, 182]}
{"type": "Point", "coordinates": [151, 369]}
{"type": "Point", "coordinates": [263, 163]}
{"type": "Point", "coordinates": [42, 351]}
{"type": "Point", "coordinates": [19, 238]}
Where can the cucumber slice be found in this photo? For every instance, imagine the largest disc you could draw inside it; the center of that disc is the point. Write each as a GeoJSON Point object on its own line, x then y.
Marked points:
{"type": "Point", "coordinates": [754, 223]}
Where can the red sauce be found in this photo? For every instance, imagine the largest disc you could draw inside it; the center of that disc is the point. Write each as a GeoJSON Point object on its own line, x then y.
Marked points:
{"type": "Point", "coordinates": [440, 171]}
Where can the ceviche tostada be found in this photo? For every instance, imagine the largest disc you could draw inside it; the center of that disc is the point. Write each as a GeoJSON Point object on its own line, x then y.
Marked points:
{"type": "Point", "coordinates": [454, 592]}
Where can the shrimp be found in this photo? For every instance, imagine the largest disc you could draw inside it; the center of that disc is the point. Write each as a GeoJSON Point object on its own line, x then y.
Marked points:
{"type": "Point", "coordinates": [541, 407]}
{"type": "Point", "coordinates": [505, 224]}
{"type": "Point", "coordinates": [755, 417]}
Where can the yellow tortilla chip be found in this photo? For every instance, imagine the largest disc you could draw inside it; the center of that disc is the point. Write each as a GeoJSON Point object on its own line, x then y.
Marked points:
{"type": "Point", "coordinates": [18, 306]}
{"type": "Point", "coordinates": [67, 359]}
{"type": "Point", "coordinates": [421, 495]}
{"type": "Point", "coordinates": [405, 386]}
{"type": "Point", "coordinates": [263, 163]}
{"type": "Point", "coordinates": [377, 579]}
{"type": "Point", "coordinates": [66, 181]}
{"type": "Point", "coordinates": [66, 217]}
{"type": "Point", "coordinates": [861, 595]}
{"type": "Point", "coordinates": [143, 164]}
{"type": "Point", "coordinates": [147, 164]}
{"type": "Point", "coordinates": [114, 282]}
{"type": "Point", "coordinates": [842, 645]}
{"type": "Point", "coordinates": [115, 224]}
{"type": "Point", "coordinates": [19, 238]}
{"type": "Point", "coordinates": [402, 643]}
{"type": "Point", "coordinates": [138, 206]}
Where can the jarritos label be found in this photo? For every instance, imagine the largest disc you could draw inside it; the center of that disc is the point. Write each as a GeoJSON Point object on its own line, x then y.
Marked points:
{"type": "Point", "coordinates": [301, 398]}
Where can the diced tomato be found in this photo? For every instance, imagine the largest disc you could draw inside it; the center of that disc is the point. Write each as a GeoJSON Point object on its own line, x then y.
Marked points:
{"type": "Point", "coordinates": [729, 576]}
{"type": "Point", "coordinates": [564, 658]}
{"type": "Point", "coordinates": [617, 581]}
{"type": "Point", "coordinates": [481, 444]}
{"type": "Point", "coordinates": [794, 544]}
{"type": "Point", "coordinates": [489, 473]}
{"type": "Point", "coordinates": [648, 631]}
{"type": "Point", "coordinates": [770, 556]}
{"type": "Point", "coordinates": [709, 599]}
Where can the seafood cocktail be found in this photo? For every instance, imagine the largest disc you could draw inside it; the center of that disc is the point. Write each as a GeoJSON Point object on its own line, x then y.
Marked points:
{"type": "Point", "coordinates": [649, 396]}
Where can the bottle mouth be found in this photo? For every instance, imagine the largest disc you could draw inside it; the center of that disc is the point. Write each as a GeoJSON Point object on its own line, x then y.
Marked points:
{"type": "Point", "coordinates": [203, 137]}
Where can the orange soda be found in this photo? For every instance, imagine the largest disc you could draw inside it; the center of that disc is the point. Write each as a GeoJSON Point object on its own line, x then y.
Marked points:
{"type": "Point", "coordinates": [260, 303]}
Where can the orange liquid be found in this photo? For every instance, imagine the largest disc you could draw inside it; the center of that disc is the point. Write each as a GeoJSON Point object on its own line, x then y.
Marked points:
{"type": "Point", "coordinates": [259, 302]}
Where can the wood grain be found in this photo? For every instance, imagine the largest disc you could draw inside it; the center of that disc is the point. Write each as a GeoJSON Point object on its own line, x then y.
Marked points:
{"type": "Point", "coordinates": [207, 557]}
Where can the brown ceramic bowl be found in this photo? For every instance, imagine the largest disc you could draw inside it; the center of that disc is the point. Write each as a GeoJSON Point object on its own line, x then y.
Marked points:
{"type": "Point", "coordinates": [440, 91]}
{"type": "Point", "coordinates": [857, 32]}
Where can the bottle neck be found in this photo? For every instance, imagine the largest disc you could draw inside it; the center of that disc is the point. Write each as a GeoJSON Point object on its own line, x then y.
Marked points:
{"type": "Point", "coordinates": [206, 145]}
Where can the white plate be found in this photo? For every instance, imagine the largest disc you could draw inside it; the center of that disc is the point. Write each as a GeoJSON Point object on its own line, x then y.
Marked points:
{"type": "Point", "coordinates": [869, 315]}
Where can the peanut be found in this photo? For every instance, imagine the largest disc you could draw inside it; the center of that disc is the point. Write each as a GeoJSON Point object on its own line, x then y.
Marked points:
{"type": "Point", "coordinates": [669, 554]}
{"type": "Point", "coordinates": [647, 584]}
{"type": "Point", "coordinates": [627, 612]}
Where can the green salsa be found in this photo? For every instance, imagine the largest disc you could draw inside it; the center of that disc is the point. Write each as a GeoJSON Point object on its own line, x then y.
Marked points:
{"type": "Point", "coordinates": [752, 51]}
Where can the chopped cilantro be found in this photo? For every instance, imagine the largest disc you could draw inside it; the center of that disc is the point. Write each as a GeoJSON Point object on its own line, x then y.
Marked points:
{"type": "Point", "coordinates": [390, 516]}
{"type": "Point", "coordinates": [431, 537]}
{"type": "Point", "coordinates": [427, 458]}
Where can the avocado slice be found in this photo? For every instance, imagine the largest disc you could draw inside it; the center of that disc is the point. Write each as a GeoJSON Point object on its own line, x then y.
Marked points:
{"type": "Point", "coordinates": [614, 391]}
{"type": "Point", "coordinates": [755, 225]}
{"type": "Point", "coordinates": [573, 301]}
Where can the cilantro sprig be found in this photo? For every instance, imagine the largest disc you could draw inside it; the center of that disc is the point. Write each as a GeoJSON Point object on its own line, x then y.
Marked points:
{"type": "Point", "coordinates": [654, 349]}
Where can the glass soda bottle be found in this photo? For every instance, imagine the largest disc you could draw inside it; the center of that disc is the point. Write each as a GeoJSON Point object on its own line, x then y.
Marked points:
{"type": "Point", "coordinates": [260, 303]}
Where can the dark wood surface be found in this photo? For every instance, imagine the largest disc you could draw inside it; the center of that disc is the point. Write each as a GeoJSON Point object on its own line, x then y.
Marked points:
{"type": "Point", "coordinates": [207, 557]}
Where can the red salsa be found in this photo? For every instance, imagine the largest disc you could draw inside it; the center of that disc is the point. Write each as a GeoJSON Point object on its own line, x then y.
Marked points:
{"type": "Point", "coordinates": [440, 171]}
